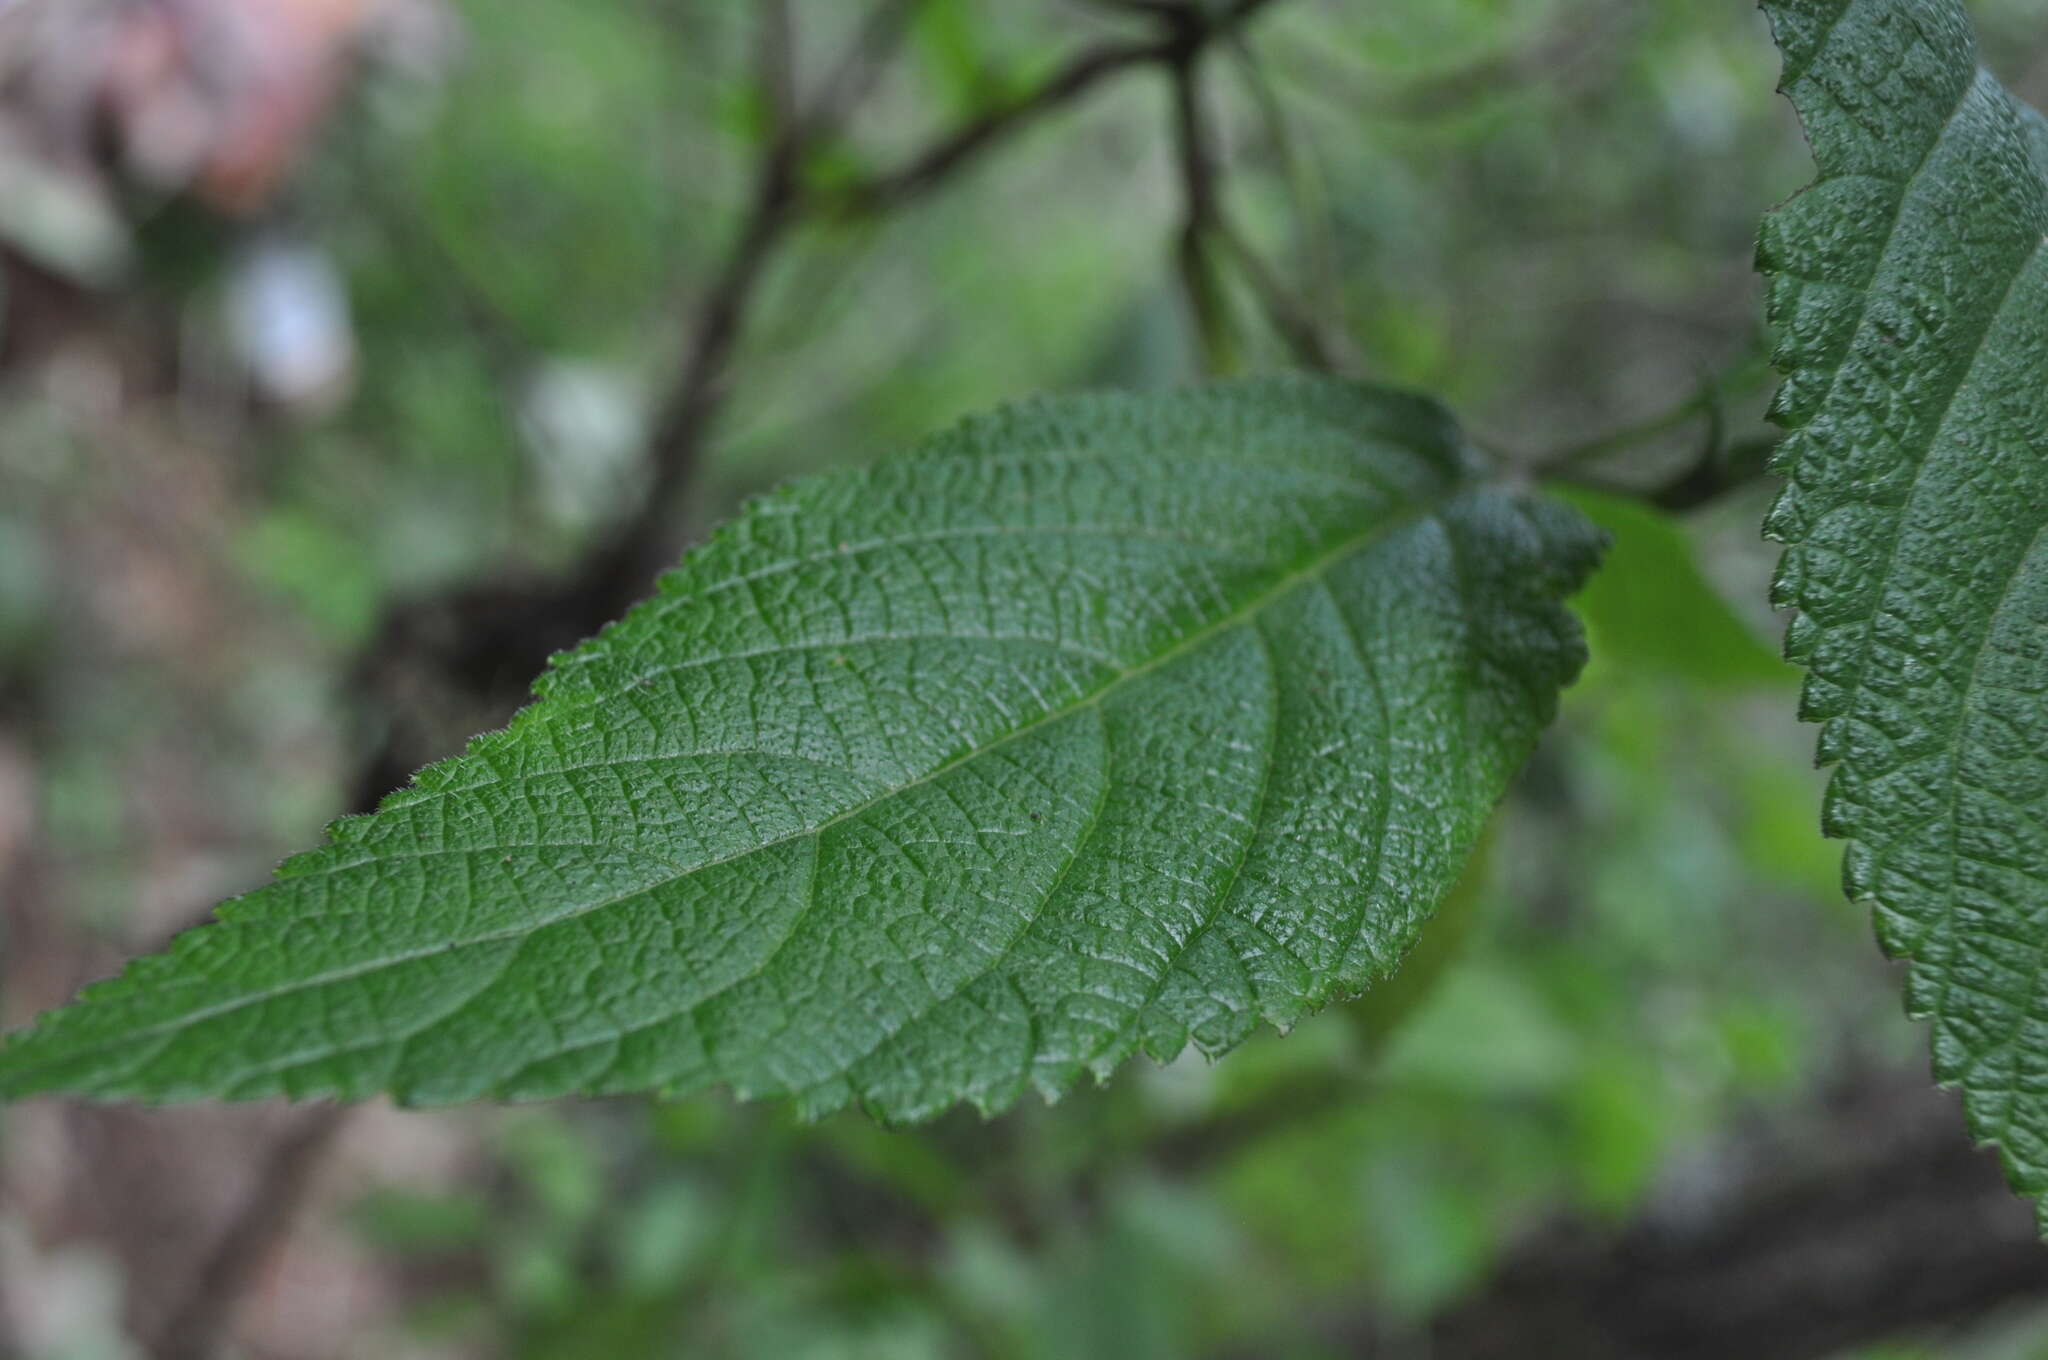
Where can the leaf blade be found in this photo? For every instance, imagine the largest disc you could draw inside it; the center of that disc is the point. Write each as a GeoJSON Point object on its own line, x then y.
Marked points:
{"type": "Point", "coordinates": [1908, 286]}
{"type": "Point", "coordinates": [982, 768]}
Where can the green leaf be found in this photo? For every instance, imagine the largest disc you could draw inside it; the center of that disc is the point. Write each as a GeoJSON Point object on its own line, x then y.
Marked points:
{"type": "Point", "coordinates": [1909, 290]}
{"type": "Point", "coordinates": [1099, 725]}
{"type": "Point", "coordinates": [1653, 614]}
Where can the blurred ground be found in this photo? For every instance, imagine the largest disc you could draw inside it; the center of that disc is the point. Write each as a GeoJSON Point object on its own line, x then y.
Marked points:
{"type": "Point", "coordinates": [321, 314]}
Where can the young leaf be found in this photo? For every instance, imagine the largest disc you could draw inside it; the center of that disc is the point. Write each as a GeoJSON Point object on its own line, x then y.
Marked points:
{"type": "Point", "coordinates": [1098, 725]}
{"type": "Point", "coordinates": [1909, 289]}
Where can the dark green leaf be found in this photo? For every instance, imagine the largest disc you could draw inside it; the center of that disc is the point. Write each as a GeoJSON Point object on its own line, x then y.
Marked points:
{"type": "Point", "coordinates": [1099, 725]}
{"type": "Point", "coordinates": [1909, 289]}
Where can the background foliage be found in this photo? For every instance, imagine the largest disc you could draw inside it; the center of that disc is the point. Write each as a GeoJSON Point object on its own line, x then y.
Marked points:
{"type": "Point", "coordinates": [1652, 1022]}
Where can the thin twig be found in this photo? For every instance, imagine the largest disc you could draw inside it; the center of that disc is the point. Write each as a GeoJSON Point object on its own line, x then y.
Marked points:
{"type": "Point", "coordinates": [926, 170]}
{"type": "Point", "coordinates": [1308, 341]}
{"type": "Point", "coordinates": [642, 544]}
{"type": "Point", "coordinates": [1703, 401]}
{"type": "Point", "coordinates": [1207, 230]}
{"type": "Point", "coordinates": [1201, 213]}
{"type": "Point", "coordinates": [1717, 469]}
{"type": "Point", "coordinates": [645, 543]}
{"type": "Point", "coordinates": [1311, 318]}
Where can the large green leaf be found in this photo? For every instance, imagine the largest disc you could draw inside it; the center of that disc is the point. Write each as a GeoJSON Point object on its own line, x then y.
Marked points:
{"type": "Point", "coordinates": [1910, 293]}
{"type": "Point", "coordinates": [1098, 725]}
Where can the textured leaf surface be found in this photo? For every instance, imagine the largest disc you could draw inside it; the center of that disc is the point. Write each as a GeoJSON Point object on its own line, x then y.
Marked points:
{"type": "Point", "coordinates": [1910, 293]}
{"type": "Point", "coordinates": [1098, 725]}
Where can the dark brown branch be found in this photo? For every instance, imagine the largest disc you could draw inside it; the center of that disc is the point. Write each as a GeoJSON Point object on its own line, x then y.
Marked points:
{"type": "Point", "coordinates": [1883, 1222]}
{"type": "Point", "coordinates": [195, 1331]}
{"type": "Point", "coordinates": [646, 543]}
{"type": "Point", "coordinates": [1926, 1237]}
